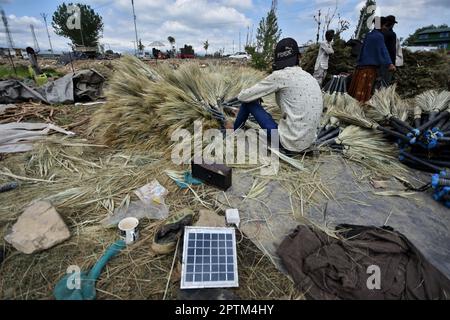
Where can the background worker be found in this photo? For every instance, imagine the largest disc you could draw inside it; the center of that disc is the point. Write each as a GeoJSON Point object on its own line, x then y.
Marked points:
{"type": "Point", "coordinates": [390, 39]}
{"type": "Point", "coordinates": [325, 50]}
{"type": "Point", "coordinates": [374, 55]}
{"type": "Point", "coordinates": [297, 94]}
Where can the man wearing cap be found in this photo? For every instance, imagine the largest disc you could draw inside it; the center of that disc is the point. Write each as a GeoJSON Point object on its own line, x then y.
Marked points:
{"type": "Point", "coordinates": [325, 50]}
{"type": "Point", "coordinates": [390, 39]}
{"type": "Point", "coordinates": [297, 94]}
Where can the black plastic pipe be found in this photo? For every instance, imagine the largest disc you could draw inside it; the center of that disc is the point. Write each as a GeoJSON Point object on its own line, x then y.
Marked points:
{"type": "Point", "coordinates": [394, 134]}
{"type": "Point", "coordinates": [400, 128]}
{"type": "Point", "coordinates": [431, 122]}
{"type": "Point", "coordinates": [325, 131]}
{"type": "Point", "coordinates": [420, 161]}
{"type": "Point", "coordinates": [403, 124]}
{"type": "Point", "coordinates": [330, 135]}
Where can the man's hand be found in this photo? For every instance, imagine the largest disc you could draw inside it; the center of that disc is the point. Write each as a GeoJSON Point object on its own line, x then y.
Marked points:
{"type": "Point", "coordinates": [392, 68]}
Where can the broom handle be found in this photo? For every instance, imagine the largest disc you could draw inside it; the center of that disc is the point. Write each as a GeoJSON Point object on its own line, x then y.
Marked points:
{"type": "Point", "coordinates": [441, 123]}
{"type": "Point", "coordinates": [440, 163]}
{"type": "Point", "coordinates": [433, 115]}
{"type": "Point", "coordinates": [403, 124]}
{"type": "Point", "coordinates": [446, 126]}
{"type": "Point", "coordinates": [416, 165]}
{"type": "Point", "coordinates": [330, 135]}
{"type": "Point", "coordinates": [418, 160]}
{"type": "Point", "coordinates": [333, 85]}
{"type": "Point", "coordinates": [429, 123]}
{"type": "Point", "coordinates": [399, 128]}
{"type": "Point", "coordinates": [341, 85]}
{"type": "Point", "coordinates": [417, 122]}
{"type": "Point", "coordinates": [338, 147]}
{"type": "Point", "coordinates": [393, 133]}
{"type": "Point", "coordinates": [324, 131]}
{"type": "Point", "coordinates": [328, 142]}
{"type": "Point", "coordinates": [327, 86]}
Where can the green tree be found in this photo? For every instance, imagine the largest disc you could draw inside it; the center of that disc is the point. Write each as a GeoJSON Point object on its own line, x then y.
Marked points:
{"type": "Point", "coordinates": [267, 37]}
{"type": "Point", "coordinates": [206, 46]}
{"type": "Point", "coordinates": [172, 44]}
{"type": "Point", "coordinates": [414, 37]}
{"type": "Point", "coordinates": [362, 29]}
{"type": "Point", "coordinates": [91, 25]}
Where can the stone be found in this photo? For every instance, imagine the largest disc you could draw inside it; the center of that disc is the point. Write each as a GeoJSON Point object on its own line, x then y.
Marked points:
{"type": "Point", "coordinates": [38, 228]}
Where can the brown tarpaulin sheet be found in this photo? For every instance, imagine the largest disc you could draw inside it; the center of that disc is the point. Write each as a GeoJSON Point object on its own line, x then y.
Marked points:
{"type": "Point", "coordinates": [330, 268]}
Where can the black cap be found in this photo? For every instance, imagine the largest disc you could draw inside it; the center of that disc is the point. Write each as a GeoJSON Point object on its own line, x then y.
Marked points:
{"type": "Point", "coordinates": [391, 19]}
{"type": "Point", "coordinates": [286, 54]}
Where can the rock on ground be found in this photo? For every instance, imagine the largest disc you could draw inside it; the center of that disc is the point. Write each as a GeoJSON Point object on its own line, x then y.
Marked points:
{"type": "Point", "coordinates": [38, 228]}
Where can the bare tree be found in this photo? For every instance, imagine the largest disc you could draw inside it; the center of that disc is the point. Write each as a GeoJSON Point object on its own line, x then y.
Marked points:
{"type": "Point", "coordinates": [318, 19]}
{"type": "Point", "coordinates": [328, 19]}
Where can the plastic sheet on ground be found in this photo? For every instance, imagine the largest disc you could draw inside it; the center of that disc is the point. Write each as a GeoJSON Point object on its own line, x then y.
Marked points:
{"type": "Point", "coordinates": [269, 220]}
{"type": "Point", "coordinates": [19, 137]}
{"type": "Point", "coordinates": [265, 220]}
{"type": "Point", "coordinates": [139, 210]}
{"type": "Point", "coordinates": [83, 85]}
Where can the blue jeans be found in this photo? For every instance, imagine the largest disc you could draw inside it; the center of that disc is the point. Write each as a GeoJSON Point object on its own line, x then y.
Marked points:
{"type": "Point", "coordinates": [261, 116]}
{"type": "Point", "coordinates": [254, 108]}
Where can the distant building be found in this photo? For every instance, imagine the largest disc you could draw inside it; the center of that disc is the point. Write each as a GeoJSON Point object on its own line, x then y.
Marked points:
{"type": "Point", "coordinates": [15, 52]}
{"type": "Point", "coordinates": [434, 38]}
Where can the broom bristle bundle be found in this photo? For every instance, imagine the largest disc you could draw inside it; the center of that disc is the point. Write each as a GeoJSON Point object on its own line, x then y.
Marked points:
{"type": "Point", "coordinates": [146, 105]}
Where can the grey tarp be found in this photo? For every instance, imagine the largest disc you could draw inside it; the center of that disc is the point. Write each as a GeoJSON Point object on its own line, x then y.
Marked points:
{"type": "Point", "coordinates": [268, 221]}
{"type": "Point", "coordinates": [19, 137]}
{"type": "Point", "coordinates": [83, 85]}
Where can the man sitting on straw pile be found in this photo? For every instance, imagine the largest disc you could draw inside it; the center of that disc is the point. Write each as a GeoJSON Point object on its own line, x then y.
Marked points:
{"type": "Point", "coordinates": [374, 55]}
{"type": "Point", "coordinates": [325, 50]}
{"type": "Point", "coordinates": [298, 95]}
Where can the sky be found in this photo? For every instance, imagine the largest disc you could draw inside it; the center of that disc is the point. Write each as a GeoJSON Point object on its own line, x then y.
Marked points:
{"type": "Point", "coordinates": [218, 21]}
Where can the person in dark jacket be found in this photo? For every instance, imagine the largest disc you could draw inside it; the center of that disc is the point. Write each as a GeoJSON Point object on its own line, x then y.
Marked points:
{"type": "Point", "coordinates": [374, 55]}
{"type": "Point", "coordinates": [390, 39]}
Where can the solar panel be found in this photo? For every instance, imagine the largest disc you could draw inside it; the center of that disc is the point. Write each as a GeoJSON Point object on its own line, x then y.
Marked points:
{"type": "Point", "coordinates": [209, 258]}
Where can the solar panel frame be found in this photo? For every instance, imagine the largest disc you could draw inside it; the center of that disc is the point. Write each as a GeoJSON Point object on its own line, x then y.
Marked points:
{"type": "Point", "coordinates": [211, 262]}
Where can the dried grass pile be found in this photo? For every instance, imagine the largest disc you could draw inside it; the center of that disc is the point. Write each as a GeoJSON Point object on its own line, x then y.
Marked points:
{"type": "Point", "coordinates": [87, 182]}
{"type": "Point", "coordinates": [146, 104]}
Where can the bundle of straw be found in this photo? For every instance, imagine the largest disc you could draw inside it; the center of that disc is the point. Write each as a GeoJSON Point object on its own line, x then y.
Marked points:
{"type": "Point", "coordinates": [145, 105]}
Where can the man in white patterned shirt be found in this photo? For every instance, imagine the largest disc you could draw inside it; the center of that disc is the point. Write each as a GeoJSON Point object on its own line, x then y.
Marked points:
{"type": "Point", "coordinates": [297, 94]}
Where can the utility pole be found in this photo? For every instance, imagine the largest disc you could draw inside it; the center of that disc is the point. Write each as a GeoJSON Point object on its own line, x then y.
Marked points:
{"type": "Point", "coordinates": [248, 31]}
{"type": "Point", "coordinates": [10, 40]}
{"type": "Point", "coordinates": [135, 28]}
{"type": "Point", "coordinates": [33, 34]}
{"type": "Point", "coordinates": [240, 41]}
{"type": "Point", "coordinates": [8, 33]}
{"type": "Point", "coordinates": [318, 20]}
{"type": "Point", "coordinates": [44, 16]}
{"type": "Point", "coordinates": [81, 31]}
{"type": "Point", "coordinates": [233, 48]}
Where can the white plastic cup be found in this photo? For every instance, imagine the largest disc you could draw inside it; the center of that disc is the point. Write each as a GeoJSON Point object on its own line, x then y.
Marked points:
{"type": "Point", "coordinates": [128, 229]}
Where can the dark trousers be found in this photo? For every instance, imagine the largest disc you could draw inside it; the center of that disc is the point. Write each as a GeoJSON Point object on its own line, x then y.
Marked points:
{"type": "Point", "coordinates": [262, 117]}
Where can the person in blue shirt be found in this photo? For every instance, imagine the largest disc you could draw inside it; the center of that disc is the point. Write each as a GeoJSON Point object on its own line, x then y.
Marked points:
{"type": "Point", "coordinates": [373, 56]}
